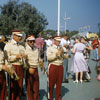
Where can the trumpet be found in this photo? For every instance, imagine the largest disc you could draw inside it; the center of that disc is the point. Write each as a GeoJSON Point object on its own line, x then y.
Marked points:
{"type": "Point", "coordinates": [10, 69]}
{"type": "Point", "coordinates": [63, 52]}
{"type": "Point", "coordinates": [12, 73]}
{"type": "Point", "coordinates": [22, 52]}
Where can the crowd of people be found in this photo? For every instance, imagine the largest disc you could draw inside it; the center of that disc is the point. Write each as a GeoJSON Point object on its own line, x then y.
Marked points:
{"type": "Point", "coordinates": [21, 59]}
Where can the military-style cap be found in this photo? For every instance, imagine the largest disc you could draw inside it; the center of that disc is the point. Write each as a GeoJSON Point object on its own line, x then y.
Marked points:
{"type": "Point", "coordinates": [30, 37]}
{"type": "Point", "coordinates": [57, 38]}
{"type": "Point", "coordinates": [17, 32]}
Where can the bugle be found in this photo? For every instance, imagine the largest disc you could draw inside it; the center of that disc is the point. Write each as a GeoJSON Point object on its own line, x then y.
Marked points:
{"type": "Point", "coordinates": [12, 73]}
{"type": "Point", "coordinates": [10, 70]}
{"type": "Point", "coordinates": [22, 52]}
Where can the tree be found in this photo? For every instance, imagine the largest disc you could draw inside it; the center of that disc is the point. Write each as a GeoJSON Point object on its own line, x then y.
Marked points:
{"type": "Point", "coordinates": [22, 16]}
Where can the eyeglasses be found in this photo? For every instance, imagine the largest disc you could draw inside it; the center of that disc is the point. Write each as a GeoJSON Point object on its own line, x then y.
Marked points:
{"type": "Point", "coordinates": [31, 41]}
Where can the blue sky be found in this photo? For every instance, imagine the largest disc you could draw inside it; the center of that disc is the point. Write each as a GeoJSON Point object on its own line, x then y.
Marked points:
{"type": "Point", "coordinates": [81, 12]}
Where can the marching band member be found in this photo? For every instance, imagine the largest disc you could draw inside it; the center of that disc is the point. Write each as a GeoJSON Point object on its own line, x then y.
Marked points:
{"type": "Point", "coordinates": [55, 69]}
{"type": "Point", "coordinates": [13, 49]}
{"type": "Point", "coordinates": [32, 76]}
{"type": "Point", "coordinates": [3, 67]}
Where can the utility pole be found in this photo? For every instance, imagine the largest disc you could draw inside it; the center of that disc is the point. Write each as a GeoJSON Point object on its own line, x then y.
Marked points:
{"type": "Point", "coordinates": [58, 18]}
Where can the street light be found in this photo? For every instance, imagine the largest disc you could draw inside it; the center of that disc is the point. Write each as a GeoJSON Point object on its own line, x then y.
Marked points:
{"type": "Point", "coordinates": [58, 17]}
{"type": "Point", "coordinates": [66, 18]}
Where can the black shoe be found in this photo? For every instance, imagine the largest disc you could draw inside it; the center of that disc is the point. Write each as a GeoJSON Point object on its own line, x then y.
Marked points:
{"type": "Point", "coordinates": [65, 81]}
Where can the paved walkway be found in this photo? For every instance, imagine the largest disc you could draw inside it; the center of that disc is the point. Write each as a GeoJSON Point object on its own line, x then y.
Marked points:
{"type": "Point", "coordinates": [72, 91]}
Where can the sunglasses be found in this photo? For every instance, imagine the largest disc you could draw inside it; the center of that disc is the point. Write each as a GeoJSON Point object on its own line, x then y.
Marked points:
{"type": "Point", "coordinates": [31, 41]}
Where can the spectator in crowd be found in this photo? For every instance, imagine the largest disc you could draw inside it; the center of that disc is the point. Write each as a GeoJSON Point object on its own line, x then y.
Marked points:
{"type": "Point", "coordinates": [39, 42]}
{"type": "Point", "coordinates": [79, 64]}
{"type": "Point", "coordinates": [64, 43]}
{"type": "Point", "coordinates": [86, 53]}
{"type": "Point", "coordinates": [95, 44]}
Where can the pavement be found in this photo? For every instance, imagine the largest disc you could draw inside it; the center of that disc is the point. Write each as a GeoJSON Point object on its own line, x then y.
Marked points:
{"type": "Point", "coordinates": [71, 91]}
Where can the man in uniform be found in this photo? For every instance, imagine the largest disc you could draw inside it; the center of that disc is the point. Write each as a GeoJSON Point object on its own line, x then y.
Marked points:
{"type": "Point", "coordinates": [32, 77]}
{"type": "Point", "coordinates": [55, 68]}
{"type": "Point", "coordinates": [14, 55]}
{"type": "Point", "coordinates": [3, 68]}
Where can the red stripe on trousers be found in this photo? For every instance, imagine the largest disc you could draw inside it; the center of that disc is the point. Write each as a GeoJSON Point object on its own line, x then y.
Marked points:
{"type": "Point", "coordinates": [55, 78]}
{"type": "Point", "coordinates": [32, 85]}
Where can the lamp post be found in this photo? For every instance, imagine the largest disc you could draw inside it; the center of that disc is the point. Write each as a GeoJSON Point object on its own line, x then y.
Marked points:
{"type": "Point", "coordinates": [58, 18]}
{"type": "Point", "coordinates": [66, 18]}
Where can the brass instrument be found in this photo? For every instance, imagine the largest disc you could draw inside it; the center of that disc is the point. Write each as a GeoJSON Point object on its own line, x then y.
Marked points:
{"type": "Point", "coordinates": [12, 73]}
{"type": "Point", "coordinates": [10, 70]}
{"type": "Point", "coordinates": [62, 51]}
{"type": "Point", "coordinates": [22, 52]}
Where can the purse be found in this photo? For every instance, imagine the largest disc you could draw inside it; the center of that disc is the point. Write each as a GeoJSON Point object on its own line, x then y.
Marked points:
{"type": "Point", "coordinates": [32, 70]}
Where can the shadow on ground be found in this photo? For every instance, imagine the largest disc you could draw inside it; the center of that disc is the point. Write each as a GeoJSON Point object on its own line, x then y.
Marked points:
{"type": "Point", "coordinates": [42, 93]}
{"type": "Point", "coordinates": [64, 90]}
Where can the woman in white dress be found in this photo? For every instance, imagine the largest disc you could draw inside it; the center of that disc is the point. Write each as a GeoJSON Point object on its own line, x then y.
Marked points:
{"type": "Point", "coordinates": [79, 64]}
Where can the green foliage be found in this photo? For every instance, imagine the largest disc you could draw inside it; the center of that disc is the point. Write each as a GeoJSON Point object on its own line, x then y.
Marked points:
{"type": "Point", "coordinates": [70, 34]}
{"type": "Point", "coordinates": [53, 33]}
{"type": "Point", "coordinates": [21, 16]}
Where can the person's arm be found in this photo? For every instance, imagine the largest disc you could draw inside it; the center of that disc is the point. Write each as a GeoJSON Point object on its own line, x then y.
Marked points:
{"type": "Point", "coordinates": [74, 49]}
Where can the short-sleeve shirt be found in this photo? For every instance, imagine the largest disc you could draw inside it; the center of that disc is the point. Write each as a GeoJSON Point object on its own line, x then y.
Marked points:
{"type": "Point", "coordinates": [63, 42]}
{"type": "Point", "coordinates": [39, 42]}
{"type": "Point", "coordinates": [95, 46]}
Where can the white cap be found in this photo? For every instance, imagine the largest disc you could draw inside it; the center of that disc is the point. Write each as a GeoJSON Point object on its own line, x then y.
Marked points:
{"type": "Point", "coordinates": [57, 38]}
{"type": "Point", "coordinates": [17, 32]}
{"type": "Point", "coordinates": [31, 38]}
